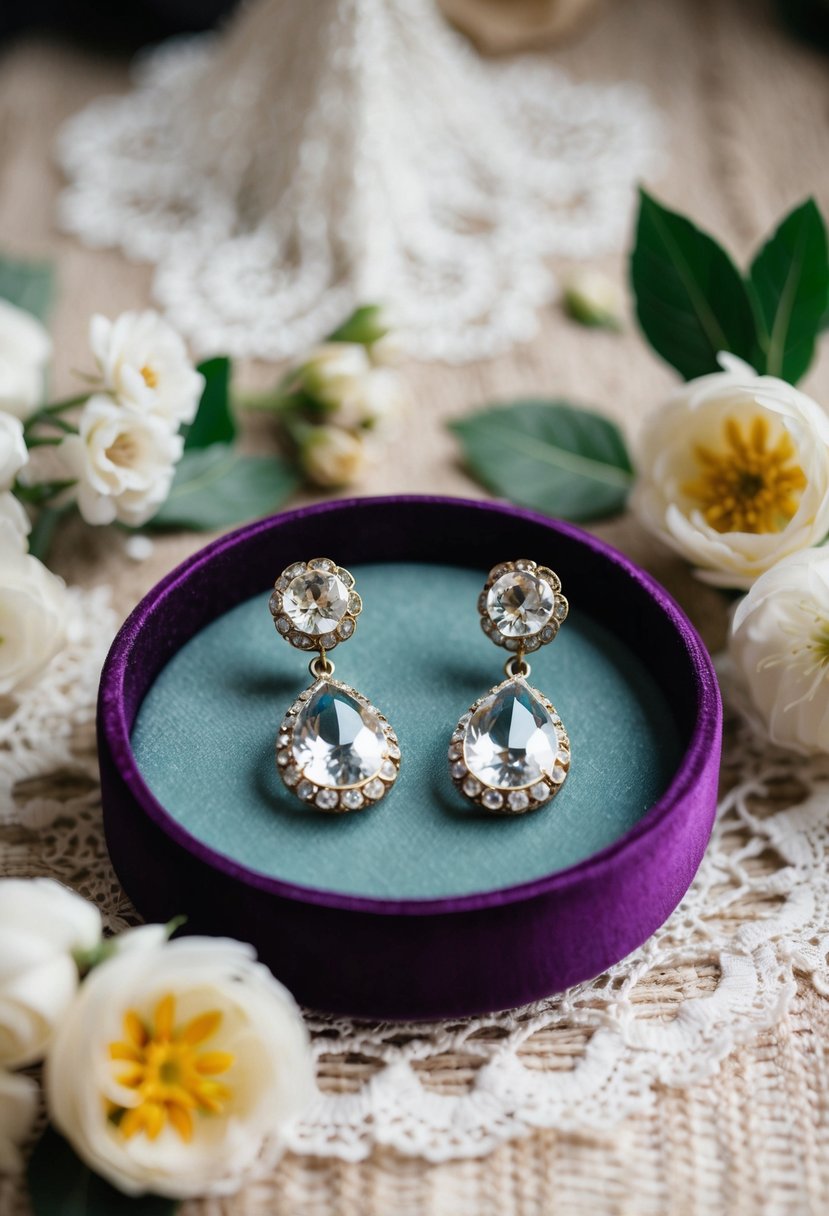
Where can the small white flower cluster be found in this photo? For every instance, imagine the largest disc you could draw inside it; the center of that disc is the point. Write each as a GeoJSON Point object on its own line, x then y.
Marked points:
{"type": "Point", "coordinates": [172, 1068]}
{"type": "Point", "coordinates": [128, 443]}
{"type": "Point", "coordinates": [356, 400]}
{"type": "Point", "coordinates": [733, 474]}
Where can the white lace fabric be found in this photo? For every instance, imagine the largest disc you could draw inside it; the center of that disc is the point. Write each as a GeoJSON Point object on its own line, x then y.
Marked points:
{"type": "Point", "coordinates": [317, 157]}
{"type": "Point", "coordinates": [722, 969]}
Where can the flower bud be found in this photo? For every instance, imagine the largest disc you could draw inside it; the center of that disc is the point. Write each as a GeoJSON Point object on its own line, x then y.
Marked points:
{"type": "Point", "coordinates": [591, 298]}
{"type": "Point", "coordinates": [331, 456]}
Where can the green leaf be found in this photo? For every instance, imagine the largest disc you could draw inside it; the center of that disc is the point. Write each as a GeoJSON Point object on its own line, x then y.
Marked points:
{"type": "Point", "coordinates": [214, 487]}
{"type": "Point", "coordinates": [29, 285]}
{"type": "Point", "coordinates": [43, 530]}
{"type": "Point", "coordinates": [550, 456]}
{"type": "Point", "coordinates": [61, 1185]}
{"type": "Point", "coordinates": [690, 298]}
{"type": "Point", "coordinates": [789, 282]}
{"type": "Point", "coordinates": [213, 422]}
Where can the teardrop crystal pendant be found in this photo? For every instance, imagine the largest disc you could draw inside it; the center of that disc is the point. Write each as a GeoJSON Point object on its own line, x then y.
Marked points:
{"type": "Point", "coordinates": [335, 749]}
{"type": "Point", "coordinates": [510, 752]}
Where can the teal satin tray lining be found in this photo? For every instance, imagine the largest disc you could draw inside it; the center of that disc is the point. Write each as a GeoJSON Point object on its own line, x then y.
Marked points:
{"type": "Point", "coordinates": [204, 742]}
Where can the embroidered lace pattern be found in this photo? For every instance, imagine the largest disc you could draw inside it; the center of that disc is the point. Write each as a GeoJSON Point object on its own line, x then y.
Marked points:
{"type": "Point", "coordinates": [321, 156]}
{"type": "Point", "coordinates": [721, 970]}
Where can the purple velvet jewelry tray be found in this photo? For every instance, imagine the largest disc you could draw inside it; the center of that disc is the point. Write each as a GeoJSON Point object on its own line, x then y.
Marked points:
{"type": "Point", "coordinates": [415, 958]}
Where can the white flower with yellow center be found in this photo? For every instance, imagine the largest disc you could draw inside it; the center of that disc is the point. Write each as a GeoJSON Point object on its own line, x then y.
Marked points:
{"type": "Point", "coordinates": [25, 351]}
{"type": "Point", "coordinates": [145, 365]}
{"type": "Point", "coordinates": [733, 473]}
{"type": "Point", "coordinates": [178, 1067]}
{"type": "Point", "coordinates": [779, 651]}
{"type": "Point", "coordinates": [123, 463]}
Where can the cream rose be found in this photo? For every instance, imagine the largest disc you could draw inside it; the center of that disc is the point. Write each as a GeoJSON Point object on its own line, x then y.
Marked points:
{"type": "Point", "coordinates": [733, 473]}
{"type": "Point", "coordinates": [13, 450]}
{"type": "Point", "coordinates": [25, 351]}
{"type": "Point", "coordinates": [18, 1105]}
{"type": "Point", "coordinates": [178, 1066]}
{"type": "Point", "coordinates": [41, 925]}
{"type": "Point", "coordinates": [331, 456]}
{"type": "Point", "coordinates": [32, 610]}
{"type": "Point", "coordinates": [145, 364]}
{"type": "Point", "coordinates": [123, 462]}
{"type": "Point", "coordinates": [779, 651]}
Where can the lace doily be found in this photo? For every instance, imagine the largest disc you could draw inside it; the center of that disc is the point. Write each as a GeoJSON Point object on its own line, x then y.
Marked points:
{"type": "Point", "coordinates": [718, 972]}
{"type": "Point", "coordinates": [319, 156]}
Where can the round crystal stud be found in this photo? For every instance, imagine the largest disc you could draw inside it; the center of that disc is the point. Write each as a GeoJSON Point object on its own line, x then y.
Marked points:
{"type": "Point", "coordinates": [517, 800]}
{"type": "Point", "coordinates": [315, 602]}
{"type": "Point", "coordinates": [472, 787]}
{"type": "Point", "coordinates": [520, 603]}
{"type": "Point", "coordinates": [540, 791]}
{"type": "Point", "coordinates": [492, 800]}
{"type": "Point", "coordinates": [352, 800]}
{"type": "Point", "coordinates": [327, 799]}
{"type": "Point", "coordinates": [374, 789]}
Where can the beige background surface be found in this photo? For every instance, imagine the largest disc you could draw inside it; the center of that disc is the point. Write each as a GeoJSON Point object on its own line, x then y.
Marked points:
{"type": "Point", "coordinates": [746, 115]}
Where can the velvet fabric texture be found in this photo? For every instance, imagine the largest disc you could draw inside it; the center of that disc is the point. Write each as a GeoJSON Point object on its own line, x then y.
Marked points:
{"type": "Point", "coordinates": [399, 958]}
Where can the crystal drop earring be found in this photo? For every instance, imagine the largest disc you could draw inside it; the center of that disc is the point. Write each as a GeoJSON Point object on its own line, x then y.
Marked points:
{"type": "Point", "coordinates": [510, 752]}
{"type": "Point", "coordinates": [334, 748]}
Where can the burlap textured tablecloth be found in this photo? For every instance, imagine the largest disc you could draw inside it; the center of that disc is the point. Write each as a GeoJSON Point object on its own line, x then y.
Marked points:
{"type": "Point", "coordinates": [746, 112]}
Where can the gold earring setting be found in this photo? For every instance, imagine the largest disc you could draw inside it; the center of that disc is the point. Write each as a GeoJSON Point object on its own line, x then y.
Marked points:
{"type": "Point", "coordinates": [510, 752]}
{"type": "Point", "coordinates": [334, 748]}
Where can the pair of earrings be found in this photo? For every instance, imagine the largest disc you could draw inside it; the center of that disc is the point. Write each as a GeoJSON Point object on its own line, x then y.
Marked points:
{"type": "Point", "coordinates": [509, 752]}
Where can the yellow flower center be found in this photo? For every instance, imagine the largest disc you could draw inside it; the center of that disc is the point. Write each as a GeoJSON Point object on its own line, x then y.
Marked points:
{"type": "Point", "coordinates": [150, 377]}
{"type": "Point", "coordinates": [749, 485]}
{"type": "Point", "coordinates": [171, 1077]}
{"type": "Point", "coordinates": [124, 451]}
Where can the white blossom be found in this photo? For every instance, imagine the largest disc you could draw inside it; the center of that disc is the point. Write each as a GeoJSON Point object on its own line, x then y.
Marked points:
{"type": "Point", "coordinates": [178, 1067]}
{"type": "Point", "coordinates": [32, 609]}
{"type": "Point", "coordinates": [733, 473]}
{"type": "Point", "coordinates": [25, 351]}
{"type": "Point", "coordinates": [145, 365]}
{"type": "Point", "coordinates": [41, 924]}
{"type": "Point", "coordinates": [779, 651]}
{"type": "Point", "coordinates": [123, 462]}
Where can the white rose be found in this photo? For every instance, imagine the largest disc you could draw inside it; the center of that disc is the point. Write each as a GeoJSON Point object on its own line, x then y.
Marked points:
{"type": "Point", "coordinates": [779, 650]}
{"type": "Point", "coordinates": [178, 1066]}
{"type": "Point", "coordinates": [25, 350]}
{"type": "Point", "coordinates": [13, 450]}
{"type": "Point", "coordinates": [334, 371]}
{"type": "Point", "coordinates": [123, 462]}
{"type": "Point", "coordinates": [733, 473]}
{"type": "Point", "coordinates": [15, 524]}
{"type": "Point", "coordinates": [593, 299]}
{"type": "Point", "coordinates": [330, 456]}
{"type": "Point", "coordinates": [32, 613]}
{"type": "Point", "coordinates": [145, 364]}
{"type": "Point", "coordinates": [18, 1105]}
{"type": "Point", "coordinates": [41, 924]}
